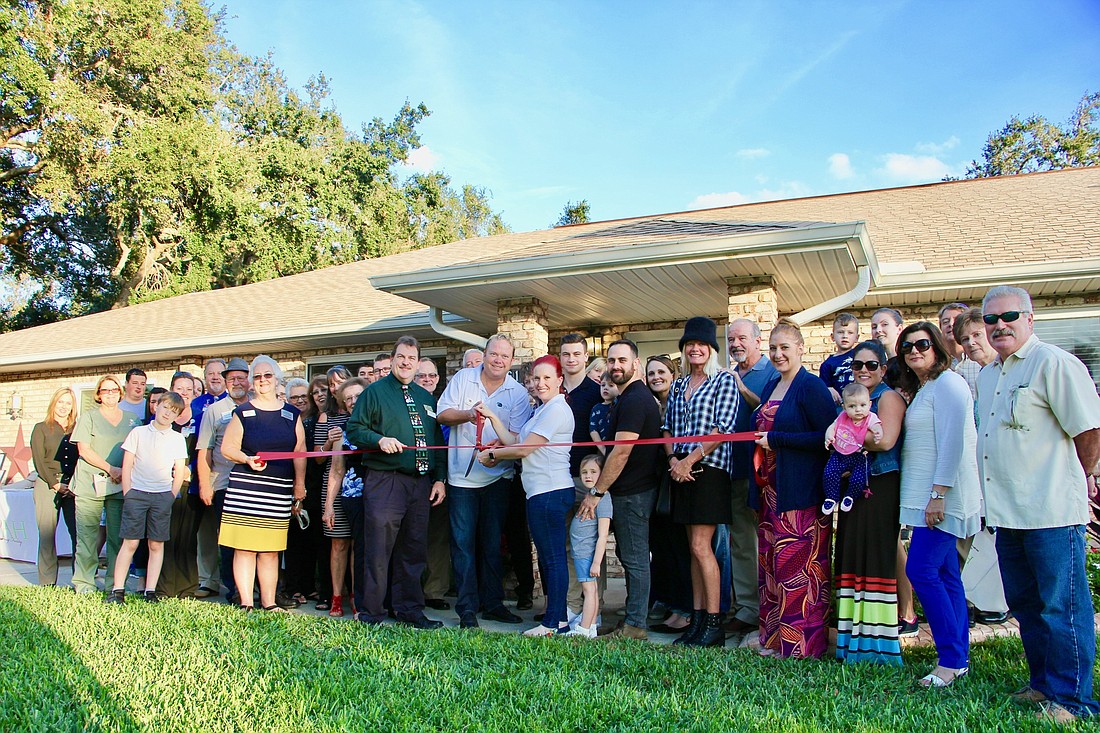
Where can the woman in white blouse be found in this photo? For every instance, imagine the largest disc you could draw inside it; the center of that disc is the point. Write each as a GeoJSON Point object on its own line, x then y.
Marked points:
{"type": "Point", "coordinates": [940, 492]}
{"type": "Point", "coordinates": [546, 481]}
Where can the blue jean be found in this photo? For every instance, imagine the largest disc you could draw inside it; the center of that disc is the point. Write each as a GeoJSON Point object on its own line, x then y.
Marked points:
{"type": "Point", "coordinates": [546, 517]}
{"type": "Point", "coordinates": [1047, 589]}
{"type": "Point", "coordinates": [477, 522]}
{"type": "Point", "coordinates": [933, 569]}
{"type": "Point", "coordinates": [632, 513]}
{"type": "Point", "coordinates": [721, 545]}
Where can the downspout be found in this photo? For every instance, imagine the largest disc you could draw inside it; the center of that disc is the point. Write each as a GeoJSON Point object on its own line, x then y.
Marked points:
{"type": "Point", "coordinates": [435, 318]}
{"type": "Point", "coordinates": [856, 294]}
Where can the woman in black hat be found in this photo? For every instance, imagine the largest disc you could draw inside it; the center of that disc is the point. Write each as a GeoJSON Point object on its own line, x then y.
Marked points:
{"type": "Point", "coordinates": [701, 402]}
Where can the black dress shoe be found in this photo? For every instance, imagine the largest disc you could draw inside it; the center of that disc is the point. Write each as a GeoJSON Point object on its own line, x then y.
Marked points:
{"type": "Point", "coordinates": [422, 622]}
{"type": "Point", "coordinates": [991, 617]}
{"type": "Point", "coordinates": [282, 600]}
{"type": "Point", "coordinates": [468, 620]}
{"type": "Point", "coordinates": [437, 603]}
{"type": "Point", "coordinates": [502, 614]}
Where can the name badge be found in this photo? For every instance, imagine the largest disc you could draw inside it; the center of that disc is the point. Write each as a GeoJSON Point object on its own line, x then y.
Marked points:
{"type": "Point", "coordinates": [287, 414]}
{"type": "Point", "coordinates": [226, 418]}
{"type": "Point", "coordinates": [248, 413]}
{"type": "Point", "coordinates": [430, 411]}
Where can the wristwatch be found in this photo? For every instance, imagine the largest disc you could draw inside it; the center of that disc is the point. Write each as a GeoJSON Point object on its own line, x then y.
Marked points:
{"type": "Point", "coordinates": [597, 494]}
{"type": "Point", "coordinates": [937, 495]}
{"type": "Point", "coordinates": [492, 457]}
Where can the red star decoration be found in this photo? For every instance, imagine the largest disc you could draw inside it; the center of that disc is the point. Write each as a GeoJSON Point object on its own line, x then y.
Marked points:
{"type": "Point", "coordinates": [19, 457]}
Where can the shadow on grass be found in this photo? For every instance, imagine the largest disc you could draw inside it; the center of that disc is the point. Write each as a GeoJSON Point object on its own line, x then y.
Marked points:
{"type": "Point", "coordinates": [45, 685]}
{"type": "Point", "coordinates": [199, 666]}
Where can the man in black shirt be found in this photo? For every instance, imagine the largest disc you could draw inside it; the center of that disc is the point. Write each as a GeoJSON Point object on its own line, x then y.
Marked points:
{"type": "Point", "coordinates": [630, 474]}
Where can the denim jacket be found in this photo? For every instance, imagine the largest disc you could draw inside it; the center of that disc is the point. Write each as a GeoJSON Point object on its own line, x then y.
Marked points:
{"type": "Point", "coordinates": [888, 460]}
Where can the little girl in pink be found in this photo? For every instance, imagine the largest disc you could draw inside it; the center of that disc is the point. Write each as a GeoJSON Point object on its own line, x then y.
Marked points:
{"type": "Point", "coordinates": [845, 439]}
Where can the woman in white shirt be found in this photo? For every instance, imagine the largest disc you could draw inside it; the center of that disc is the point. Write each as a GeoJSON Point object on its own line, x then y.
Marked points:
{"type": "Point", "coordinates": [546, 481]}
{"type": "Point", "coordinates": [939, 491]}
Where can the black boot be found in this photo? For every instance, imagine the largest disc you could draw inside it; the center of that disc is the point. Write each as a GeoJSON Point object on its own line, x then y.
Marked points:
{"type": "Point", "coordinates": [712, 633]}
{"type": "Point", "coordinates": [698, 617]}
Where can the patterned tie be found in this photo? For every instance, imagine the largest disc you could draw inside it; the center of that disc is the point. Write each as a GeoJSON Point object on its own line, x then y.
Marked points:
{"type": "Point", "coordinates": [418, 431]}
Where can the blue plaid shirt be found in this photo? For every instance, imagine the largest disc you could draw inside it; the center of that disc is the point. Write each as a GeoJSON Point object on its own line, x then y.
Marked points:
{"type": "Point", "coordinates": [713, 406]}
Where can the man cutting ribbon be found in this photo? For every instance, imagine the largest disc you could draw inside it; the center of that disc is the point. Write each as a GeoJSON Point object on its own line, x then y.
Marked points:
{"type": "Point", "coordinates": [478, 495]}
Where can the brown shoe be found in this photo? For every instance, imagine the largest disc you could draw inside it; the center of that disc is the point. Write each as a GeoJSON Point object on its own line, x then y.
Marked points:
{"type": "Point", "coordinates": [1052, 712]}
{"type": "Point", "coordinates": [737, 626]}
{"type": "Point", "coordinates": [1027, 695]}
{"type": "Point", "coordinates": [626, 631]}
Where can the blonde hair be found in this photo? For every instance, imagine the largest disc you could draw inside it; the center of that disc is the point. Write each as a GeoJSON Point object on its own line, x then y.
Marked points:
{"type": "Point", "coordinates": [790, 327]}
{"type": "Point", "coordinates": [72, 414]}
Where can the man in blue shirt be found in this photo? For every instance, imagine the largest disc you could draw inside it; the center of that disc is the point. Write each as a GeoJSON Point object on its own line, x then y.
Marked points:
{"type": "Point", "coordinates": [753, 372]}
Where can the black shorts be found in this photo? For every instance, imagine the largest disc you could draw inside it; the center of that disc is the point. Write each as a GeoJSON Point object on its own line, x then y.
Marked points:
{"type": "Point", "coordinates": [706, 500]}
{"type": "Point", "coordinates": [146, 515]}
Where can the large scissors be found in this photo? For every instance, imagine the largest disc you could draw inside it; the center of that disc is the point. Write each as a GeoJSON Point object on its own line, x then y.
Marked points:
{"type": "Point", "coordinates": [478, 446]}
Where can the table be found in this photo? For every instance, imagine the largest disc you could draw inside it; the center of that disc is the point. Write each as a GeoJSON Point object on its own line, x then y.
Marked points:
{"type": "Point", "coordinates": [18, 527]}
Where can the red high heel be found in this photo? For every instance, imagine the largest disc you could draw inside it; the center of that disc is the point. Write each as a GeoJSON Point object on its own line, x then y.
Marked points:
{"type": "Point", "coordinates": [337, 606]}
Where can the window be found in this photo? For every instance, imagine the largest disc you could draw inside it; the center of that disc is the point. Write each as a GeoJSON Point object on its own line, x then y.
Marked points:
{"type": "Point", "coordinates": [1078, 336]}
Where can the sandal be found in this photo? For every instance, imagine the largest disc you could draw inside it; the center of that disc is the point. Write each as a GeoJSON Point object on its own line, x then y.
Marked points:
{"type": "Point", "coordinates": [323, 605]}
{"type": "Point", "coordinates": [934, 680]}
{"type": "Point", "coordinates": [337, 607]}
{"type": "Point", "coordinates": [276, 608]}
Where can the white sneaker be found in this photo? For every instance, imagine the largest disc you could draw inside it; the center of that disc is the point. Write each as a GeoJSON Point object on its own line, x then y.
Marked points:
{"type": "Point", "coordinates": [587, 633]}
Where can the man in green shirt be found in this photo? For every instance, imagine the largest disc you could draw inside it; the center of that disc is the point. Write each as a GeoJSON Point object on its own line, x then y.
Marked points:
{"type": "Point", "coordinates": [395, 419]}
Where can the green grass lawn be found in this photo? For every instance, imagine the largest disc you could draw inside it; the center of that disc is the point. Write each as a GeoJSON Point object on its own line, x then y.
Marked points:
{"type": "Point", "coordinates": [72, 663]}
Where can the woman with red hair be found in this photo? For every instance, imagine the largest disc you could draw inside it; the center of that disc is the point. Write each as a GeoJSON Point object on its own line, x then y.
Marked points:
{"type": "Point", "coordinates": [546, 481]}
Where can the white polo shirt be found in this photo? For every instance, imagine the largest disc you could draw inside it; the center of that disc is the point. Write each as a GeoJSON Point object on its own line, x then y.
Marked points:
{"type": "Point", "coordinates": [155, 453]}
{"type": "Point", "coordinates": [1029, 410]}
{"type": "Point", "coordinates": [511, 404]}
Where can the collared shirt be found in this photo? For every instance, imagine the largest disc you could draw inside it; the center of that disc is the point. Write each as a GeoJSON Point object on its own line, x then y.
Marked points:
{"type": "Point", "coordinates": [211, 431]}
{"type": "Point", "coordinates": [509, 401]}
{"type": "Point", "coordinates": [1031, 407]}
{"type": "Point", "coordinates": [713, 406]}
{"type": "Point", "coordinates": [381, 412]}
{"type": "Point", "coordinates": [757, 379]}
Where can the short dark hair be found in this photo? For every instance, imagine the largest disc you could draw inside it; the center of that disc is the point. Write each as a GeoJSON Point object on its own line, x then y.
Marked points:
{"type": "Point", "coordinates": [624, 342]}
{"type": "Point", "coordinates": [574, 338]}
{"type": "Point", "coordinates": [871, 345]}
{"type": "Point", "coordinates": [135, 372]}
{"type": "Point", "coordinates": [405, 341]}
{"type": "Point", "coordinates": [907, 378]}
{"type": "Point", "coordinates": [383, 357]}
{"type": "Point", "coordinates": [181, 375]}
{"type": "Point", "coordinates": [952, 307]}
{"type": "Point", "coordinates": [845, 319]}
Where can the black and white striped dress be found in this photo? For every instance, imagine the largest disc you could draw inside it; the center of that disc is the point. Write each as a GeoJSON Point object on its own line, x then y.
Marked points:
{"type": "Point", "coordinates": [256, 513]}
{"type": "Point", "coordinates": [341, 528]}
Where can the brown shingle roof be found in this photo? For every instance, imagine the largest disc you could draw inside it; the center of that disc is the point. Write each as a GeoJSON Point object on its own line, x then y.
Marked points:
{"type": "Point", "coordinates": [1039, 217]}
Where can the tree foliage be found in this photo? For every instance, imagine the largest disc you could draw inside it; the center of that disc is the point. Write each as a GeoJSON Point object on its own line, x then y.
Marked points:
{"type": "Point", "coordinates": [574, 212]}
{"type": "Point", "coordinates": [142, 156]}
{"type": "Point", "coordinates": [1035, 144]}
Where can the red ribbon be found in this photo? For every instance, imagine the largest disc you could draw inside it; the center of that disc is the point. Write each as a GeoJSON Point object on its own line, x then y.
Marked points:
{"type": "Point", "coordinates": [711, 438]}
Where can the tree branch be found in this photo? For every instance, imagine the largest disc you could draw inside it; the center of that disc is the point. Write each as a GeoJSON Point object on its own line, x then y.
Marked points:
{"type": "Point", "coordinates": [22, 170]}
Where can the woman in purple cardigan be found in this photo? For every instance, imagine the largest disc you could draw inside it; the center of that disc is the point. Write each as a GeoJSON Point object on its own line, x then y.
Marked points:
{"type": "Point", "coordinates": [793, 533]}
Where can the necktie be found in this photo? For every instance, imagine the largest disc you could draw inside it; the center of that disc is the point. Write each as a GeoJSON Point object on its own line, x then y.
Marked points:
{"type": "Point", "coordinates": [418, 432]}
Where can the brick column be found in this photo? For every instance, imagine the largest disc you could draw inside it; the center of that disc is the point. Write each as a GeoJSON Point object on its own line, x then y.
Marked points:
{"type": "Point", "coordinates": [524, 321]}
{"type": "Point", "coordinates": [754, 298]}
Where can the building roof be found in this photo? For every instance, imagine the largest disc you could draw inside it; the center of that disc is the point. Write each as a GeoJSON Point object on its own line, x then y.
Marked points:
{"type": "Point", "coordinates": [923, 243]}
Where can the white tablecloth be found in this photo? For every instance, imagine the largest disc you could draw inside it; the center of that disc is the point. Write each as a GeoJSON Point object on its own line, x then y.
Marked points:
{"type": "Point", "coordinates": [18, 528]}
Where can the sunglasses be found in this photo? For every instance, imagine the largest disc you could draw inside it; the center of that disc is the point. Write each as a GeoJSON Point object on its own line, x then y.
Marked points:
{"type": "Point", "coordinates": [921, 345]}
{"type": "Point", "coordinates": [1008, 317]}
{"type": "Point", "coordinates": [258, 377]}
{"type": "Point", "coordinates": [871, 366]}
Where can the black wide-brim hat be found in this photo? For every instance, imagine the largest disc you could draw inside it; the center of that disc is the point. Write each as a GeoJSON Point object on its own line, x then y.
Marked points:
{"type": "Point", "coordinates": [700, 328]}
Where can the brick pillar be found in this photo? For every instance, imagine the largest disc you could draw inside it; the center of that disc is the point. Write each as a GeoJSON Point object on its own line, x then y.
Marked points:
{"type": "Point", "coordinates": [754, 298]}
{"type": "Point", "coordinates": [524, 321]}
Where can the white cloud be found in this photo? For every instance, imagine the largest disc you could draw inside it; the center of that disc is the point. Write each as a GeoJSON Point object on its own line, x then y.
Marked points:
{"type": "Point", "coordinates": [422, 159]}
{"type": "Point", "coordinates": [840, 166]}
{"type": "Point", "coordinates": [938, 148]}
{"type": "Point", "coordinates": [904, 168]}
{"type": "Point", "coordinates": [751, 153]}
{"type": "Point", "coordinates": [788, 190]}
{"type": "Point", "coordinates": [714, 200]}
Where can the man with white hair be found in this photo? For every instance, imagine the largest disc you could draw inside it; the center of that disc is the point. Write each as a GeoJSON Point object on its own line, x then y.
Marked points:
{"type": "Point", "coordinates": [1038, 448]}
{"type": "Point", "coordinates": [472, 358]}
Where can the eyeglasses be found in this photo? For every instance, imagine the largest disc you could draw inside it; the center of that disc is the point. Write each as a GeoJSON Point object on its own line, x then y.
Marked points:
{"type": "Point", "coordinates": [258, 377]}
{"type": "Point", "coordinates": [110, 391]}
{"type": "Point", "coordinates": [1007, 317]}
{"type": "Point", "coordinates": [427, 376]}
{"type": "Point", "coordinates": [871, 366]}
{"type": "Point", "coordinates": [921, 345]}
{"type": "Point", "coordinates": [299, 398]}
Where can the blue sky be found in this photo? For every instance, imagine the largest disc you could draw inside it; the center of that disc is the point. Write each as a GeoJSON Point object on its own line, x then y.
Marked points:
{"type": "Point", "coordinates": [647, 107]}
